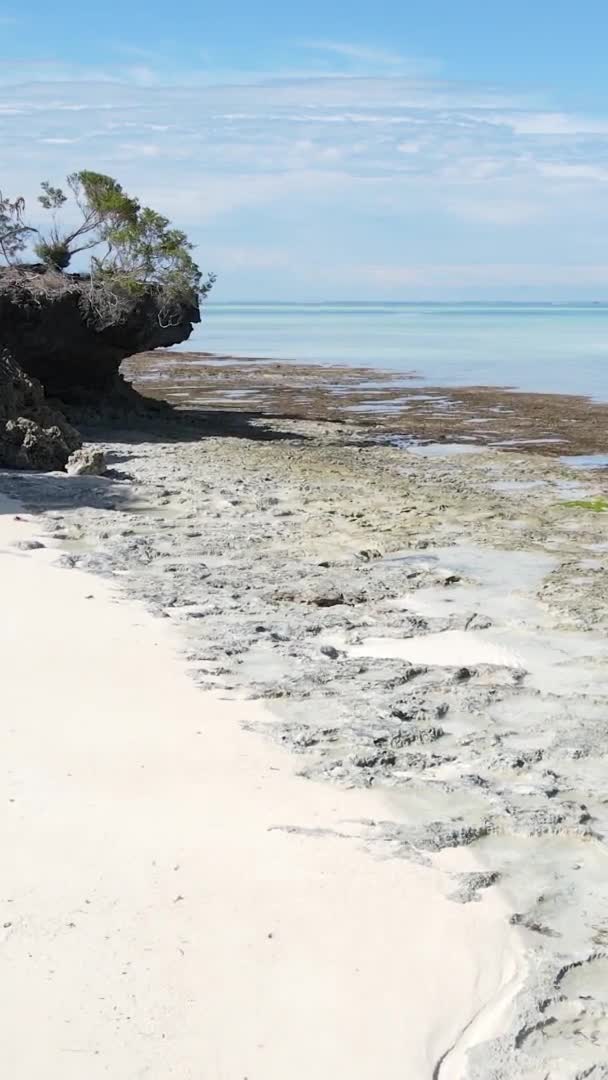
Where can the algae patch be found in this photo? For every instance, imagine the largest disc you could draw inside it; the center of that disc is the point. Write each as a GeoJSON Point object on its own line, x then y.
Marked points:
{"type": "Point", "coordinates": [597, 506]}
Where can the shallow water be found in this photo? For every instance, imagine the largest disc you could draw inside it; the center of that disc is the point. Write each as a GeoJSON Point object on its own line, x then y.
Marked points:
{"type": "Point", "coordinates": [560, 348]}
{"type": "Point", "coordinates": [430, 449]}
{"type": "Point", "coordinates": [586, 461]}
{"type": "Point", "coordinates": [451, 648]}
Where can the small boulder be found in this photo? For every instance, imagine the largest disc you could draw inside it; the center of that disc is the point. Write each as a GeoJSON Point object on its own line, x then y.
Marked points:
{"type": "Point", "coordinates": [330, 651]}
{"type": "Point", "coordinates": [87, 462]}
{"type": "Point", "coordinates": [28, 545]}
{"type": "Point", "coordinates": [24, 444]}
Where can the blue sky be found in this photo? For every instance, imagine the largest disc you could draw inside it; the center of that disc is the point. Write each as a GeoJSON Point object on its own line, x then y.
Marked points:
{"type": "Point", "coordinates": [332, 150]}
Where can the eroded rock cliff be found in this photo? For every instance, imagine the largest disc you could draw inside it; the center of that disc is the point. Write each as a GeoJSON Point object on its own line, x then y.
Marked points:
{"type": "Point", "coordinates": [72, 336]}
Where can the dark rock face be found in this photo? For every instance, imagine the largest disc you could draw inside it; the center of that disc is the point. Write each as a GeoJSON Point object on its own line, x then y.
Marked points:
{"type": "Point", "coordinates": [73, 337]}
{"type": "Point", "coordinates": [32, 434]}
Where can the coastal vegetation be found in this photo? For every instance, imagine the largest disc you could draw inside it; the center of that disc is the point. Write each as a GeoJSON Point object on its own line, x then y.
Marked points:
{"type": "Point", "coordinates": [93, 278]}
{"type": "Point", "coordinates": [64, 335]}
{"type": "Point", "coordinates": [133, 249]}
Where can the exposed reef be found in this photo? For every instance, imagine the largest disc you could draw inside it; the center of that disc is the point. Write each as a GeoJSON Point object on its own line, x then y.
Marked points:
{"type": "Point", "coordinates": [391, 406]}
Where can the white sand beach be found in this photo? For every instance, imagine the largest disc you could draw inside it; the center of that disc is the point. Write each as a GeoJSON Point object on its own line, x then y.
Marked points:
{"type": "Point", "coordinates": [175, 901]}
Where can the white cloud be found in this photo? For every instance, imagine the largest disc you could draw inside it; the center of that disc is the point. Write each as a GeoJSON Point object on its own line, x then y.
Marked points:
{"type": "Point", "coordinates": [374, 165]}
{"type": "Point", "coordinates": [571, 171]}
{"type": "Point", "coordinates": [409, 146]}
{"type": "Point", "coordinates": [59, 142]}
{"type": "Point", "coordinates": [549, 123]}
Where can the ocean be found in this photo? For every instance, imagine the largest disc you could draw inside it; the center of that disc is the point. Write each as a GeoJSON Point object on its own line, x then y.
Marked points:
{"type": "Point", "coordinates": [560, 348]}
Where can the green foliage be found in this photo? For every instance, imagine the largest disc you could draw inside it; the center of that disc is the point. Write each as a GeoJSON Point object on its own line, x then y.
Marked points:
{"type": "Point", "coordinates": [53, 253]}
{"type": "Point", "coordinates": [148, 251]}
{"type": "Point", "coordinates": [102, 204]}
{"type": "Point", "coordinates": [103, 198]}
{"type": "Point", "coordinates": [597, 506]}
{"type": "Point", "coordinates": [137, 248]}
{"type": "Point", "coordinates": [13, 231]}
{"type": "Point", "coordinates": [141, 248]}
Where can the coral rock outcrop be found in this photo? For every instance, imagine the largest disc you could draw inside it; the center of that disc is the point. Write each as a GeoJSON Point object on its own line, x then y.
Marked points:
{"type": "Point", "coordinates": [32, 434]}
{"type": "Point", "coordinates": [72, 335]}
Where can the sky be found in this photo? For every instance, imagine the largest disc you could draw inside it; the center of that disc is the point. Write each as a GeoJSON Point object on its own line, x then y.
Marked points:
{"type": "Point", "coordinates": [331, 151]}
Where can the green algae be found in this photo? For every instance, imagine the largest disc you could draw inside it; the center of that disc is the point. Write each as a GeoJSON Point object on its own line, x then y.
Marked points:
{"type": "Point", "coordinates": [597, 506]}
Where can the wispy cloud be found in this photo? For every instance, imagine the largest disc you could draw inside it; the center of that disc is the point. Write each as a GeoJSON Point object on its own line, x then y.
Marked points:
{"type": "Point", "coordinates": [355, 166]}
{"type": "Point", "coordinates": [59, 142]}
{"type": "Point", "coordinates": [367, 59]}
{"type": "Point", "coordinates": [351, 51]}
{"type": "Point", "coordinates": [426, 136]}
{"type": "Point", "coordinates": [554, 124]}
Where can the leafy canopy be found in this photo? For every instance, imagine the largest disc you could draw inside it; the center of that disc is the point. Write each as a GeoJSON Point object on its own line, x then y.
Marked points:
{"type": "Point", "coordinates": [148, 250]}
{"type": "Point", "coordinates": [135, 247]}
{"type": "Point", "coordinates": [102, 204]}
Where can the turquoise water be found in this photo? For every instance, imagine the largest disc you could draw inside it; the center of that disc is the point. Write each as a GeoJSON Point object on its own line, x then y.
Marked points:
{"type": "Point", "coordinates": [559, 348]}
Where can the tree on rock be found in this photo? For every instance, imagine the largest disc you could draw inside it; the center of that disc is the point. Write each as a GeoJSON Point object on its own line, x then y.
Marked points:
{"type": "Point", "coordinates": [147, 251]}
{"type": "Point", "coordinates": [101, 202]}
{"type": "Point", "coordinates": [141, 250]}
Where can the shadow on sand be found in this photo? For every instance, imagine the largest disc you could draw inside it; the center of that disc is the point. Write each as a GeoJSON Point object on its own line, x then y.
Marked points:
{"type": "Point", "coordinates": [166, 424]}
{"type": "Point", "coordinates": [38, 491]}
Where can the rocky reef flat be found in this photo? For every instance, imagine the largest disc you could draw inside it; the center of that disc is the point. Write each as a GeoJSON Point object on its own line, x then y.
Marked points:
{"type": "Point", "coordinates": [433, 625]}
{"type": "Point", "coordinates": [394, 406]}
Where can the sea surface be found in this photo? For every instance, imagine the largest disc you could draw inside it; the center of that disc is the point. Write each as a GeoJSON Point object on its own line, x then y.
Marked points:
{"type": "Point", "coordinates": [559, 348]}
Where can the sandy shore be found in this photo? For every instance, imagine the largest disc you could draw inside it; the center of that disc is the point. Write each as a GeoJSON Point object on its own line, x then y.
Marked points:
{"type": "Point", "coordinates": [426, 635]}
{"type": "Point", "coordinates": [175, 900]}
